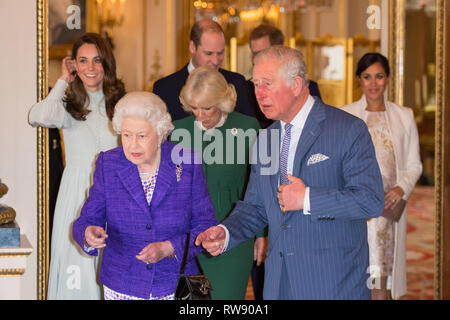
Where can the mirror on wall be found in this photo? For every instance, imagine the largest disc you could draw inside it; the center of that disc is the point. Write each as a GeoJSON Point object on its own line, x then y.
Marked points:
{"type": "Point", "coordinates": [139, 62]}
{"type": "Point", "coordinates": [332, 37]}
{"type": "Point", "coordinates": [331, 34]}
{"type": "Point", "coordinates": [420, 76]}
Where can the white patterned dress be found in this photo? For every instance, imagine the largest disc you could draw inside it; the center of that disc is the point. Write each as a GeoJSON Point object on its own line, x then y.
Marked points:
{"type": "Point", "coordinates": [73, 273]}
{"type": "Point", "coordinates": [381, 230]}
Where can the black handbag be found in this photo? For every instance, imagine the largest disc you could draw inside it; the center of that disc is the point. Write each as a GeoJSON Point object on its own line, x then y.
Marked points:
{"type": "Point", "coordinates": [191, 287]}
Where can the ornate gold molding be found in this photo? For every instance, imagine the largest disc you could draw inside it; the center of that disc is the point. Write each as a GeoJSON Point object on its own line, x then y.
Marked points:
{"type": "Point", "coordinates": [14, 254]}
{"type": "Point", "coordinates": [42, 153]}
{"type": "Point", "coordinates": [396, 49]}
{"type": "Point", "coordinates": [396, 57]}
{"type": "Point", "coordinates": [155, 73]}
{"type": "Point", "coordinates": [441, 67]}
{"type": "Point", "coordinates": [12, 272]}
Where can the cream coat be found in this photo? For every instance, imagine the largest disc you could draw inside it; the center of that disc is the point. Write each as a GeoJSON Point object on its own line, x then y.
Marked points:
{"type": "Point", "coordinates": [405, 140]}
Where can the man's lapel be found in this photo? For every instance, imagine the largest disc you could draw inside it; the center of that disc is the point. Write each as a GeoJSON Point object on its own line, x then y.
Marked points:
{"type": "Point", "coordinates": [274, 178]}
{"type": "Point", "coordinates": [310, 133]}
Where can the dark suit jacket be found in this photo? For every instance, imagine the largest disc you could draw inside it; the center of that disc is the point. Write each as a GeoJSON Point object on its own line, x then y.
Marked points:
{"type": "Point", "coordinates": [179, 205]}
{"type": "Point", "coordinates": [169, 88]}
{"type": "Point", "coordinates": [325, 254]}
{"type": "Point", "coordinates": [265, 122]}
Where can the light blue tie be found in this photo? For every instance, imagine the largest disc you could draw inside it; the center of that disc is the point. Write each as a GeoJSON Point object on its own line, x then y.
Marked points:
{"type": "Point", "coordinates": [284, 154]}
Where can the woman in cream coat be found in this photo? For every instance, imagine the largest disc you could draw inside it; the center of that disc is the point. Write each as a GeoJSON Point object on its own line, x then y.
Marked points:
{"type": "Point", "coordinates": [394, 133]}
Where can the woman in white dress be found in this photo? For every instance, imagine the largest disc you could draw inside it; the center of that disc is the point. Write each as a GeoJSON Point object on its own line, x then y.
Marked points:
{"type": "Point", "coordinates": [82, 105]}
{"type": "Point", "coordinates": [395, 138]}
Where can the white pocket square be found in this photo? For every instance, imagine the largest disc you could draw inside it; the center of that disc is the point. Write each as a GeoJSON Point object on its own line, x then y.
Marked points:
{"type": "Point", "coordinates": [316, 158]}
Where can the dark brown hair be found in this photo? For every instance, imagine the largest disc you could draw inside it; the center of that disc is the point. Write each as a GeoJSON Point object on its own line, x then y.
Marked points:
{"type": "Point", "coordinates": [201, 26]}
{"type": "Point", "coordinates": [275, 35]}
{"type": "Point", "coordinates": [369, 59]}
{"type": "Point", "coordinates": [113, 88]}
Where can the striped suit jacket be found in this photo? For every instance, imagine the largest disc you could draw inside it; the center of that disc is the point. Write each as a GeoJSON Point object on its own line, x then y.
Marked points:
{"type": "Point", "coordinates": [325, 254]}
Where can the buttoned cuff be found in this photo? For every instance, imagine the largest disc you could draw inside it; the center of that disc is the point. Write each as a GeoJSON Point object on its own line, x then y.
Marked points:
{"type": "Point", "coordinates": [306, 203]}
{"type": "Point", "coordinates": [227, 238]}
{"type": "Point", "coordinates": [88, 248]}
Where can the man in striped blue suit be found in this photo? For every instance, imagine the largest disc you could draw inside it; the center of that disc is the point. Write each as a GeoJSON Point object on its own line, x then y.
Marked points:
{"type": "Point", "coordinates": [321, 184]}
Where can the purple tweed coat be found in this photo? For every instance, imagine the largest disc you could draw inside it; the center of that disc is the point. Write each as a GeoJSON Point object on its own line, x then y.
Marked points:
{"type": "Point", "coordinates": [117, 203]}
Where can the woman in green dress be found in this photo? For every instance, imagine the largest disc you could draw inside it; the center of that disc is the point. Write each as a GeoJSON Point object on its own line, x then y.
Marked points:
{"type": "Point", "coordinates": [223, 138]}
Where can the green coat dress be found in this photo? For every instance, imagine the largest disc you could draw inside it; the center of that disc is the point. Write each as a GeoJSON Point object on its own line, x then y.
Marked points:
{"type": "Point", "coordinates": [225, 157]}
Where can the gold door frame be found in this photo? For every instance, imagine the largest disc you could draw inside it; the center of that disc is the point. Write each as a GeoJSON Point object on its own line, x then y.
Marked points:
{"type": "Point", "coordinates": [441, 67]}
{"type": "Point", "coordinates": [396, 51]}
{"type": "Point", "coordinates": [43, 170]}
{"type": "Point", "coordinates": [43, 243]}
{"type": "Point", "coordinates": [396, 57]}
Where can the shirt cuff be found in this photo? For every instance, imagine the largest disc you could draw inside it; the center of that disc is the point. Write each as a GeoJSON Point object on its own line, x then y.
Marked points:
{"type": "Point", "coordinates": [227, 238]}
{"type": "Point", "coordinates": [88, 248]}
{"type": "Point", "coordinates": [306, 203]}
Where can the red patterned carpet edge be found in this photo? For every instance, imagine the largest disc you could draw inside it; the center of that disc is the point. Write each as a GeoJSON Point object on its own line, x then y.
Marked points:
{"type": "Point", "coordinates": [420, 244]}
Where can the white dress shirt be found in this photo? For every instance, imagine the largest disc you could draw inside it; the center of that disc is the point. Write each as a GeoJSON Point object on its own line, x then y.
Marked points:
{"type": "Point", "coordinates": [296, 131]}
{"type": "Point", "coordinates": [190, 66]}
{"type": "Point", "coordinates": [298, 124]}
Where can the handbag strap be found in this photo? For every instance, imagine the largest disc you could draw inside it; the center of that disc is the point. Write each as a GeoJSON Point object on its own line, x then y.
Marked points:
{"type": "Point", "coordinates": [186, 249]}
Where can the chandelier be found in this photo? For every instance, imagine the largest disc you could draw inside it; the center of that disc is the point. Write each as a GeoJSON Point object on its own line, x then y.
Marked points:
{"type": "Point", "coordinates": [302, 5]}
{"type": "Point", "coordinates": [233, 11]}
{"type": "Point", "coordinates": [428, 5]}
{"type": "Point", "coordinates": [110, 14]}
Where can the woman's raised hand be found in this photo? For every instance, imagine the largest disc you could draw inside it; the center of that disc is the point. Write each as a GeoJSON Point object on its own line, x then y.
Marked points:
{"type": "Point", "coordinates": [68, 69]}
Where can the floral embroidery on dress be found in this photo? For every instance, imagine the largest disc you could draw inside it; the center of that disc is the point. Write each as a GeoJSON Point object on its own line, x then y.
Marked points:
{"type": "Point", "coordinates": [381, 230]}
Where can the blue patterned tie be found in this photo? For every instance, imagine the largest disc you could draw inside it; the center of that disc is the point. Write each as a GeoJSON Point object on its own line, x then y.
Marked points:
{"type": "Point", "coordinates": [284, 154]}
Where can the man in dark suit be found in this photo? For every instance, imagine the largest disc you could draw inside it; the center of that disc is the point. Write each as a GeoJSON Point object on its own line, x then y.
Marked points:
{"type": "Point", "coordinates": [315, 193]}
{"type": "Point", "coordinates": [261, 38]}
{"type": "Point", "coordinates": [207, 47]}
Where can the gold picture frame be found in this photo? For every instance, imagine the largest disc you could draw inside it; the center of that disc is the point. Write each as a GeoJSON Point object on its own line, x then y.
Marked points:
{"type": "Point", "coordinates": [396, 55]}
{"type": "Point", "coordinates": [60, 43]}
{"type": "Point", "coordinates": [43, 242]}
{"type": "Point", "coordinates": [45, 52]}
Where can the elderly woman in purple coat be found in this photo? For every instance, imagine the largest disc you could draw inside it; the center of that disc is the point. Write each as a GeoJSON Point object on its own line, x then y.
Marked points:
{"type": "Point", "coordinates": [142, 204]}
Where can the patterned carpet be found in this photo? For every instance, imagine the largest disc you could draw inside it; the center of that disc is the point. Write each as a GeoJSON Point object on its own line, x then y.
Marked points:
{"type": "Point", "coordinates": [419, 246]}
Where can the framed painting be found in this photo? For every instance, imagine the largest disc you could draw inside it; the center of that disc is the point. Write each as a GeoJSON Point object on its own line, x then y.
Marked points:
{"type": "Point", "coordinates": [67, 21]}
